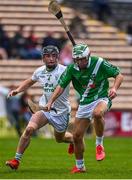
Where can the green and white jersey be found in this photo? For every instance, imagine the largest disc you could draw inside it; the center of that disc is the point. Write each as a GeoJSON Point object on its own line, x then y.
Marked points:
{"type": "Point", "coordinates": [91, 83]}
{"type": "Point", "coordinates": [49, 80]}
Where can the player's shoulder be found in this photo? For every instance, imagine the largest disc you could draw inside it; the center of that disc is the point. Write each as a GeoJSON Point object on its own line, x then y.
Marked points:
{"type": "Point", "coordinates": [96, 58]}
{"type": "Point", "coordinates": [65, 69]}
{"type": "Point", "coordinates": [61, 66]}
{"type": "Point", "coordinates": [40, 69]}
{"type": "Point", "coordinates": [71, 66]}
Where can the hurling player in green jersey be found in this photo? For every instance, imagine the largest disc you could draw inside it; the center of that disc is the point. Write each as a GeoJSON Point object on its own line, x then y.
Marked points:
{"type": "Point", "coordinates": [89, 76]}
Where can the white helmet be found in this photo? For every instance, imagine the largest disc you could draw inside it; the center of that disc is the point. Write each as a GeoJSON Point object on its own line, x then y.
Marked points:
{"type": "Point", "coordinates": [80, 51]}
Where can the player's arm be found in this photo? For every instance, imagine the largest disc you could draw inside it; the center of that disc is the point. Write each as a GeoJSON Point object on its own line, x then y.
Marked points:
{"type": "Point", "coordinates": [113, 71]}
{"type": "Point", "coordinates": [117, 82]}
{"type": "Point", "coordinates": [22, 87]}
{"type": "Point", "coordinates": [58, 91]}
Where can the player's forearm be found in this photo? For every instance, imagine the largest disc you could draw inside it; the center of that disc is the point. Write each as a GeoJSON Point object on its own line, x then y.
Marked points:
{"type": "Point", "coordinates": [25, 85]}
{"type": "Point", "coordinates": [58, 91]}
{"type": "Point", "coordinates": [118, 81]}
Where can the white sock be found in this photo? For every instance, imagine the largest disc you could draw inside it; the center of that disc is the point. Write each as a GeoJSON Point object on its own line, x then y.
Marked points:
{"type": "Point", "coordinates": [80, 163]}
{"type": "Point", "coordinates": [18, 156]}
{"type": "Point", "coordinates": [99, 140]}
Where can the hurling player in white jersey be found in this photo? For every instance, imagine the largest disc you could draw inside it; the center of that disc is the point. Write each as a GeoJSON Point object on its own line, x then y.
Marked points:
{"type": "Point", "coordinates": [48, 76]}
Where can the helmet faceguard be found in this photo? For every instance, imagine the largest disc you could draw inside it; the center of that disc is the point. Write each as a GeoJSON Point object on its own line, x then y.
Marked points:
{"type": "Point", "coordinates": [80, 51]}
{"type": "Point", "coordinates": [50, 50]}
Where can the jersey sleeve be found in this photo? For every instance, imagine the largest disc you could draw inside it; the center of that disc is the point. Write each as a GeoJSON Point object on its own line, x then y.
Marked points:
{"type": "Point", "coordinates": [110, 70]}
{"type": "Point", "coordinates": [66, 77]}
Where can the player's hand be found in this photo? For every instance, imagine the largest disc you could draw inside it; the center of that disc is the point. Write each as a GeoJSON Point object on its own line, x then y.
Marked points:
{"type": "Point", "coordinates": [12, 93]}
{"type": "Point", "coordinates": [112, 93]}
{"type": "Point", "coordinates": [47, 107]}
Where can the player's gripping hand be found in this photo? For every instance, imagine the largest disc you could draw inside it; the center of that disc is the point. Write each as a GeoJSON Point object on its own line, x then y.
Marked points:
{"type": "Point", "coordinates": [112, 93]}
{"type": "Point", "coordinates": [47, 107]}
{"type": "Point", "coordinates": [12, 93]}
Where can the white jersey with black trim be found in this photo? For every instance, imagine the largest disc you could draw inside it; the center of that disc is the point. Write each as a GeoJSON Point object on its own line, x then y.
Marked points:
{"type": "Point", "coordinates": [48, 81]}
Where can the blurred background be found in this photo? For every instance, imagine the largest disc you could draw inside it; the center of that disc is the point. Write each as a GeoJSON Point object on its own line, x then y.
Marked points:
{"type": "Point", "coordinates": [27, 26]}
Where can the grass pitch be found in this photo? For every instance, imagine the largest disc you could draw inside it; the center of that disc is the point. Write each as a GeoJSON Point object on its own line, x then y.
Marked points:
{"type": "Point", "coordinates": [46, 159]}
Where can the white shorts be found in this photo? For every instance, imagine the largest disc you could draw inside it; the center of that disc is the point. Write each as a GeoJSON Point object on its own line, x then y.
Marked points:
{"type": "Point", "coordinates": [86, 111]}
{"type": "Point", "coordinates": [59, 122]}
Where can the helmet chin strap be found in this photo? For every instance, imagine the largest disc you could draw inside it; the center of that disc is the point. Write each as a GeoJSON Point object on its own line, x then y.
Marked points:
{"type": "Point", "coordinates": [86, 64]}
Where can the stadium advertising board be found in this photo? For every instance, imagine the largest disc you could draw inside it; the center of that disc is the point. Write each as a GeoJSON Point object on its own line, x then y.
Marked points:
{"type": "Point", "coordinates": [118, 123]}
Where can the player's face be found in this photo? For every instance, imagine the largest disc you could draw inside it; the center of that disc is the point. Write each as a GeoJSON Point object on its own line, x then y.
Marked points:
{"type": "Point", "coordinates": [81, 62]}
{"type": "Point", "coordinates": [50, 60]}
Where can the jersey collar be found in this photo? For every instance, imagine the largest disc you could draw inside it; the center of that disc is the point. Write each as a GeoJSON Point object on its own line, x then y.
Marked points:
{"type": "Point", "coordinates": [46, 71]}
{"type": "Point", "coordinates": [76, 67]}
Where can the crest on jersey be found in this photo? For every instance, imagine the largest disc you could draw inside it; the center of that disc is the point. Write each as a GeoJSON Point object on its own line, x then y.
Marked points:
{"type": "Point", "coordinates": [92, 77]}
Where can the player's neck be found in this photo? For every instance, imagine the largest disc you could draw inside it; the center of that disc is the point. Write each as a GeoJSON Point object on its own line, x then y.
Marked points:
{"type": "Point", "coordinates": [51, 68]}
